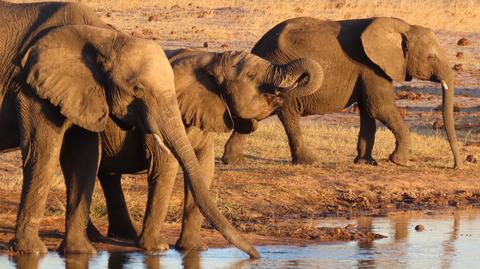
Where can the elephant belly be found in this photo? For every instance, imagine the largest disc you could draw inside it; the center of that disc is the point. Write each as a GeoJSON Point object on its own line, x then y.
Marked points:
{"type": "Point", "coordinates": [123, 163]}
{"type": "Point", "coordinates": [335, 94]}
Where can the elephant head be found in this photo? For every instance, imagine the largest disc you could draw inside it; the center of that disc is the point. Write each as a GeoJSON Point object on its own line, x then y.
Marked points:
{"type": "Point", "coordinates": [92, 74]}
{"type": "Point", "coordinates": [236, 89]}
{"type": "Point", "coordinates": [404, 51]}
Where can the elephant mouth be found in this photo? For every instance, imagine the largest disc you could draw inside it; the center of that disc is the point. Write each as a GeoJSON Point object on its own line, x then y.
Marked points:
{"type": "Point", "coordinates": [275, 90]}
{"type": "Point", "coordinates": [433, 78]}
{"type": "Point", "coordinates": [274, 100]}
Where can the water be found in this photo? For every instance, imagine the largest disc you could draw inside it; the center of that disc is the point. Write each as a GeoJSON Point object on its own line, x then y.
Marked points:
{"type": "Point", "coordinates": [450, 240]}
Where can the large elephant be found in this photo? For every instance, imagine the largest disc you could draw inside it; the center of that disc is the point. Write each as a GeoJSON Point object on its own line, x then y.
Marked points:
{"type": "Point", "coordinates": [60, 86]}
{"type": "Point", "coordinates": [361, 58]}
{"type": "Point", "coordinates": [217, 92]}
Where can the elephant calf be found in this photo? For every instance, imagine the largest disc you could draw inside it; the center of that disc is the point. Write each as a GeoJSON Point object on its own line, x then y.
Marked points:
{"type": "Point", "coordinates": [216, 92]}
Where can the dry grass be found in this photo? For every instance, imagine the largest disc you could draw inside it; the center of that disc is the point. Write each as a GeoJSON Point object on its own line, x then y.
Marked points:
{"type": "Point", "coordinates": [241, 21]}
{"type": "Point", "coordinates": [337, 144]}
{"type": "Point", "coordinates": [269, 187]}
{"type": "Point", "coordinates": [458, 15]}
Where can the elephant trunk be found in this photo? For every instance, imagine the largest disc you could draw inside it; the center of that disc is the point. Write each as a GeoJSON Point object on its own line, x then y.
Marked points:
{"type": "Point", "coordinates": [447, 109]}
{"type": "Point", "coordinates": [173, 132]}
{"type": "Point", "coordinates": [297, 78]}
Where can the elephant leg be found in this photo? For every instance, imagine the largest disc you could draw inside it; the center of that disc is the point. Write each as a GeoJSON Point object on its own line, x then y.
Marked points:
{"type": "Point", "coordinates": [291, 123]}
{"type": "Point", "coordinates": [120, 224]}
{"type": "Point", "coordinates": [366, 137]}
{"type": "Point", "coordinates": [393, 120]}
{"type": "Point", "coordinates": [233, 152]}
{"type": "Point", "coordinates": [40, 146]}
{"type": "Point", "coordinates": [381, 104]}
{"type": "Point", "coordinates": [37, 180]}
{"type": "Point", "coordinates": [192, 217]}
{"type": "Point", "coordinates": [161, 177]}
{"type": "Point", "coordinates": [79, 160]}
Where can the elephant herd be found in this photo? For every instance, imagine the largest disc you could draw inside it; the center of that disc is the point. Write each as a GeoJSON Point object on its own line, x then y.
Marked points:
{"type": "Point", "coordinates": [76, 92]}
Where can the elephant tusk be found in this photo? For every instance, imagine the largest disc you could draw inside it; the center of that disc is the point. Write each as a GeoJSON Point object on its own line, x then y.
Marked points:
{"type": "Point", "coordinates": [444, 84]}
{"type": "Point", "coordinates": [161, 144]}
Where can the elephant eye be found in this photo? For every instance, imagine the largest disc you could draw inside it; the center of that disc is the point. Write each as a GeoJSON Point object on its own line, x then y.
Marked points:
{"type": "Point", "coordinates": [139, 91]}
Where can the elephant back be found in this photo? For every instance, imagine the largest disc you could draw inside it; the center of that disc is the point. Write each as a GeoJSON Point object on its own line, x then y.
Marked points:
{"type": "Point", "coordinates": [23, 24]}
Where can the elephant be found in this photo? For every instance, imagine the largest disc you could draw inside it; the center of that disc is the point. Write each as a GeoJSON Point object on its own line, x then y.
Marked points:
{"type": "Point", "coordinates": [216, 92]}
{"type": "Point", "coordinates": [65, 76]}
{"type": "Point", "coordinates": [361, 59]}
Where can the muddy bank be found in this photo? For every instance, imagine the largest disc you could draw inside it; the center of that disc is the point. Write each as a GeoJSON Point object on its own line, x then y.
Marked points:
{"type": "Point", "coordinates": [281, 209]}
{"type": "Point", "coordinates": [271, 201]}
{"type": "Point", "coordinates": [302, 234]}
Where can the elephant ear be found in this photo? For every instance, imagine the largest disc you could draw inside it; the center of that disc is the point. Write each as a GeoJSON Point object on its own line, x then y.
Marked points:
{"type": "Point", "coordinates": [202, 102]}
{"type": "Point", "coordinates": [203, 108]}
{"type": "Point", "coordinates": [225, 65]}
{"type": "Point", "coordinates": [63, 68]}
{"type": "Point", "coordinates": [384, 43]}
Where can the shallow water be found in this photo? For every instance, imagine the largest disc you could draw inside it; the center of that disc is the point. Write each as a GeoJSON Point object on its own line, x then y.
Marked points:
{"type": "Point", "coordinates": [450, 240]}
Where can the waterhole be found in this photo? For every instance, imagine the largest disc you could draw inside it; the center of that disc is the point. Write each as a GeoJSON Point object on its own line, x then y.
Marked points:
{"type": "Point", "coordinates": [448, 240]}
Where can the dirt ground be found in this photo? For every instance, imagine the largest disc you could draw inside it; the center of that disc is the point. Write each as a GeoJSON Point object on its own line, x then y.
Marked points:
{"type": "Point", "coordinates": [269, 199]}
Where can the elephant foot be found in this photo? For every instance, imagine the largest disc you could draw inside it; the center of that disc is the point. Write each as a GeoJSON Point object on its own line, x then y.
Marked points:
{"type": "Point", "coordinates": [151, 244]}
{"type": "Point", "coordinates": [93, 234]}
{"type": "Point", "coordinates": [77, 245]}
{"type": "Point", "coordinates": [190, 244]}
{"type": "Point", "coordinates": [30, 245]}
{"type": "Point", "coordinates": [367, 161]}
{"type": "Point", "coordinates": [237, 159]}
{"type": "Point", "coordinates": [399, 159]}
{"type": "Point", "coordinates": [304, 158]}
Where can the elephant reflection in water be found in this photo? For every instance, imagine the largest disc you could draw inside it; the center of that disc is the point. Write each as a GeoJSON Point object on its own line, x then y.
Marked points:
{"type": "Point", "coordinates": [72, 261]}
{"type": "Point", "coordinates": [449, 244]}
{"type": "Point", "coordinates": [26, 261]}
{"type": "Point", "coordinates": [190, 260]}
{"type": "Point", "coordinates": [365, 224]}
{"type": "Point", "coordinates": [401, 227]}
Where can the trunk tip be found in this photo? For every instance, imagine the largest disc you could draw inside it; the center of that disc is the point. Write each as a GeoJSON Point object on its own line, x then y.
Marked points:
{"type": "Point", "coordinates": [253, 253]}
